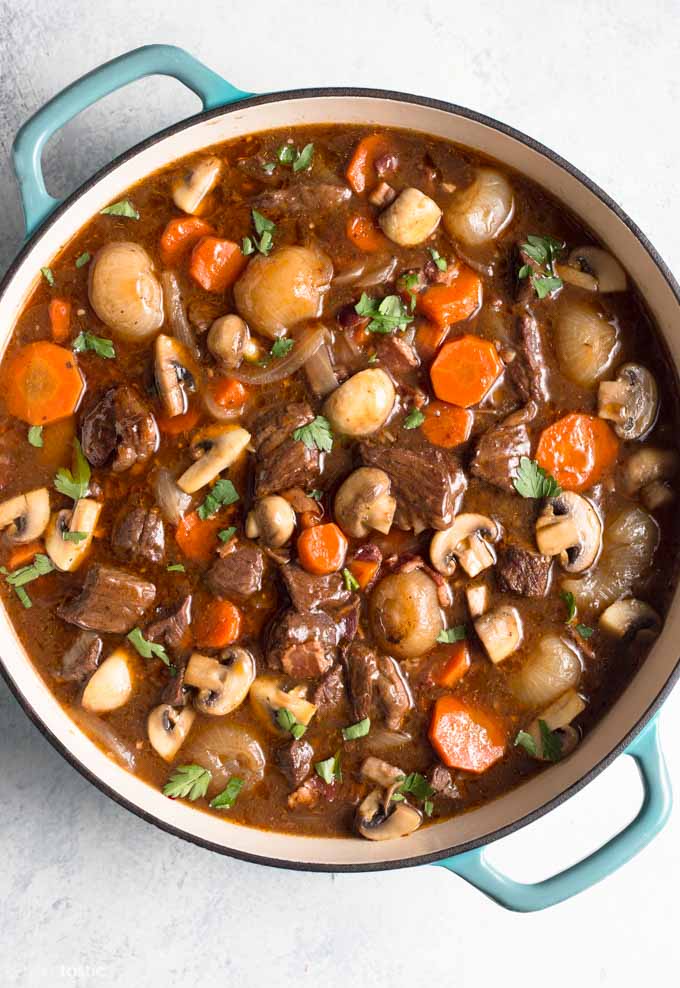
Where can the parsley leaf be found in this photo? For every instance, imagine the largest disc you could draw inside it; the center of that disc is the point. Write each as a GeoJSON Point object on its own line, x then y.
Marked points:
{"type": "Point", "coordinates": [288, 154]}
{"type": "Point", "coordinates": [386, 316]}
{"type": "Point", "coordinates": [264, 228]}
{"type": "Point", "coordinates": [329, 769]}
{"type": "Point", "coordinates": [48, 276]}
{"type": "Point", "coordinates": [227, 534]}
{"type": "Point", "coordinates": [176, 568]}
{"type": "Point", "coordinates": [222, 494]}
{"type": "Point", "coordinates": [373, 359]}
{"type": "Point", "coordinates": [268, 167]}
{"type": "Point", "coordinates": [584, 631]}
{"type": "Point", "coordinates": [188, 782]}
{"type": "Point", "coordinates": [147, 649]}
{"type": "Point", "coordinates": [414, 419]}
{"type": "Point", "coordinates": [351, 582]}
{"type": "Point", "coordinates": [247, 246]}
{"type": "Point", "coordinates": [526, 741]}
{"type": "Point", "coordinates": [83, 259]}
{"type": "Point", "coordinates": [23, 597]}
{"type": "Point", "coordinates": [40, 566]}
{"type": "Point", "coordinates": [35, 436]}
{"type": "Point", "coordinates": [288, 722]}
{"type": "Point", "coordinates": [281, 347]}
{"type": "Point", "coordinates": [73, 536]}
{"type": "Point", "coordinates": [122, 208]}
{"type": "Point", "coordinates": [544, 285]}
{"type": "Point", "coordinates": [570, 602]}
{"type": "Point", "coordinates": [438, 259]}
{"type": "Point", "coordinates": [543, 251]}
{"type": "Point", "coordinates": [550, 743]}
{"type": "Point", "coordinates": [98, 344]}
{"type": "Point", "coordinates": [410, 282]}
{"type": "Point", "coordinates": [74, 483]}
{"type": "Point", "coordinates": [226, 799]}
{"type": "Point", "coordinates": [449, 635]}
{"type": "Point", "coordinates": [417, 786]}
{"type": "Point", "coordinates": [533, 481]}
{"type": "Point", "coordinates": [428, 807]}
{"type": "Point", "coordinates": [316, 435]}
{"type": "Point", "coordinates": [316, 494]}
{"type": "Point", "coordinates": [358, 730]}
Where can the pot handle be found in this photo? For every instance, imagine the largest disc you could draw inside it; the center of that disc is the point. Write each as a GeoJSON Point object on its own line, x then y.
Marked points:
{"type": "Point", "coordinates": [211, 88]}
{"type": "Point", "coordinates": [655, 809]}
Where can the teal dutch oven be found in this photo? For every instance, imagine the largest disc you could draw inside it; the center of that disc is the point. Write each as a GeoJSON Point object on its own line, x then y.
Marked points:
{"type": "Point", "coordinates": [630, 727]}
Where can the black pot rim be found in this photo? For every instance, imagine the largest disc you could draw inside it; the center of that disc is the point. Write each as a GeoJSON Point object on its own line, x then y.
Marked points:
{"type": "Point", "coordinates": [595, 770]}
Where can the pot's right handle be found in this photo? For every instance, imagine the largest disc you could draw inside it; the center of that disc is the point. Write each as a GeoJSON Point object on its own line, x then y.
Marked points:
{"type": "Point", "coordinates": [656, 805]}
{"type": "Point", "coordinates": [29, 143]}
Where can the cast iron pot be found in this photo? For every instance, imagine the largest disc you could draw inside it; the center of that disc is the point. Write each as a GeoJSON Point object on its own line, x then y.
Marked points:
{"type": "Point", "coordinates": [629, 727]}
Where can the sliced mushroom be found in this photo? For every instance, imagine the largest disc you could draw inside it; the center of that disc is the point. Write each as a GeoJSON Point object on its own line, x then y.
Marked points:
{"type": "Point", "coordinates": [607, 271]}
{"type": "Point", "coordinates": [110, 686]}
{"type": "Point", "coordinates": [376, 770]}
{"type": "Point", "coordinates": [411, 218]}
{"type": "Point", "coordinates": [215, 449]}
{"type": "Point", "coordinates": [375, 822]}
{"type": "Point", "coordinates": [364, 502]}
{"type": "Point", "coordinates": [362, 404]}
{"type": "Point", "coordinates": [574, 276]}
{"type": "Point", "coordinates": [167, 728]}
{"type": "Point", "coordinates": [228, 340]}
{"type": "Point", "coordinates": [631, 401]}
{"type": "Point", "coordinates": [477, 596]}
{"type": "Point", "coordinates": [223, 683]}
{"type": "Point", "coordinates": [272, 520]}
{"type": "Point", "coordinates": [267, 697]}
{"type": "Point", "coordinates": [124, 291]}
{"type": "Point", "coordinates": [500, 631]}
{"type": "Point", "coordinates": [466, 541]}
{"type": "Point", "coordinates": [25, 516]}
{"type": "Point", "coordinates": [173, 376]}
{"type": "Point", "coordinates": [630, 618]}
{"type": "Point", "coordinates": [190, 192]}
{"type": "Point", "coordinates": [69, 534]}
{"type": "Point", "coordinates": [557, 719]}
{"type": "Point", "coordinates": [570, 527]}
{"type": "Point", "coordinates": [647, 465]}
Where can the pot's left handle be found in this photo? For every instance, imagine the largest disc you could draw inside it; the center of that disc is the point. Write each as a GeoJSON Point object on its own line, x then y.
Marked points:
{"type": "Point", "coordinates": [211, 88]}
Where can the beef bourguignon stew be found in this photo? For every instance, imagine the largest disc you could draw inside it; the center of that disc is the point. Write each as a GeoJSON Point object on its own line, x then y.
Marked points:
{"type": "Point", "coordinates": [337, 480]}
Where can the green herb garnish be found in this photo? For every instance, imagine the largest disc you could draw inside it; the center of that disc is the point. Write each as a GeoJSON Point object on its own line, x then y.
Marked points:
{"type": "Point", "coordinates": [281, 347]}
{"type": "Point", "coordinates": [188, 782]}
{"type": "Point", "coordinates": [388, 316]}
{"type": "Point", "coordinates": [73, 536]}
{"type": "Point", "coordinates": [288, 154]}
{"type": "Point", "coordinates": [122, 208]}
{"type": "Point", "coordinates": [315, 495]}
{"type": "Point", "coordinates": [416, 785]}
{"type": "Point", "coordinates": [570, 602]}
{"type": "Point", "coordinates": [550, 743]}
{"type": "Point", "coordinates": [268, 167]}
{"type": "Point", "coordinates": [48, 276]}
{"type": "Point", "coordinates": [316, 435]}
{"type": "Point", "coordinates": [247, 246]}
{"type": "Point", "coordinates": [414, 419]}
{"type": "Point", "coordinates": [438, 259]}
{"type": "Point", "coordinates": [98, 344]}
{"type": "Point", "coordinates": [74, 483]}
{"type": "Point", "coordinates": [221, 495]}
{"type": "Point", "coordinates": [526, 741]}
{"type": "Point", "coordinates": [410, 283]}
{"type": "Point", "coordinates": [264, 228]}
{"type": "Point", "coordinates": [358, 730]}
{"type": "Point", "coordinates": [533, 481]}
{"type": "Point", "coordinates": [288, 722]}
{"type": "Point", "coordinates": [226, 799]}
{"type": "Point", "coordinates": [176, 568]}
{"type": "Point", "coordinates": [147, 649]}
{"type": "Point", "coordinates": [543, 251]}
{"type": "Point", "coordinates": [351, 582]}
{"type": "Point", "coordinates": [450, 635]}
{"type": "Point", "coordinates": [18, 578]}
{"type": "Point", "coordinates": [227, 534]}
{"type": "Point", "coordinates": [329, 769]}
{"type": "Point", "coordinates": [83, 259]}
{"type": "Point", "coordinates": [35, 436]}
{"type": "Point", "coordinates": [584, 631]}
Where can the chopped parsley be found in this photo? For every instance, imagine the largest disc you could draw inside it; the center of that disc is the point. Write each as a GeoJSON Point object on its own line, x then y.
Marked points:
{"type": "Point", "coordinates": [410, 282]}
{"type": "Point", "coordinates": [176, 568]}
{"type": "Point", "coordinates": [351, 582]}
{"type": "Point", "coordinates": [316, 435]}
{"type": "Point", "coordinates": [264, 229]}
{"type": "Point", "coordinates": [147, 649]}
{"type": "Point", "coordinates": [122, 208]}
{"type": "Point", "coordinates": [74, 483]}
{"type": "Point", "coordinates": [438, 259]}
{"type": "Point", "coordinates": [358, 730]}
{"type": "Point", "coordinates": [414, 419]}
{"type": "Point", "coordinates": [450, 635]}
{"type": "Point", "coordinates": [83, 259]}
{"type": "Point", "coordinates": [227, 534]}
{"type": "Point", "coordinates": [188, 782]}
{"type": "Point", "coordinates": [415, 785]}
{"type": "Point", "coordinates": [18, 578]}
{"type": "Point", "coordinates": [543, 251]}
{"type": "Point", "coordinates": [281, 347]}
{"type": "Point", "coordinates": [570, 603]}
{"type": "Point", "coordinates": [288, 722]}
{"type": "Point", "coordinates": [221, 495]}
{"type": "Point", "coordinates": [74, 536]}
{"type": "Point", "coordinates": [329, 769]}
{"type": "Point", "coordinates": [584, 631]}
{"type": "Point", "coordinates": [373, 359]}
{"type": "Point", "coordinates": [247, 246]}
{"type": "Point", "coordinates": [533, 481]}
{"type": "Point", "coordinates": [48, 276]}
{"type": "Point", "coordinates": [315, 495]}
{"type": "Point", "coordinates": [388, 316]}
{"type": "Point", "coordinates": [35, 436]}
{"type": "Point", "coordinates": [550, 743]}
{"type": "Point", "coordinates": [526, 741]}
{"type": "Point", "coordinates": [98, 344]}
{"type": "Point", "coordinates": [268, 167]}
{"type": "Point", "coordinates": [226, 799]}
{"type": "Point", "coordinates": [288, 154]}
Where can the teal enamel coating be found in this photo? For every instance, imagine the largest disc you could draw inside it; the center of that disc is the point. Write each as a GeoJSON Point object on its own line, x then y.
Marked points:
{"type": "Point", "coordinates": [214, 91]}
{"type": "Point", "coordinates": [655, 809]}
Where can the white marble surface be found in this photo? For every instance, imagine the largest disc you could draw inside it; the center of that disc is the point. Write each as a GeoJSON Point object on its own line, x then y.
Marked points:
{"type": "Point", "coordinates": [92, 896]}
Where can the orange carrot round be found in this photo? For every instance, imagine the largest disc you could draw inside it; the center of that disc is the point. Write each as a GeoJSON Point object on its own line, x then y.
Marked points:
{"type": "Point", "coordinates": [228, 392]}
{"type": "Point", "coordinates": [577, 450]}
{"type": "Point", "coordinates": [447, 425]}
{"type": "Point", "coordinates": [429, 338]}
{"type": "Point", "coordinates": [453, 665]}
{"type": "Point", "coordinates": [364, 234]}
{"type": "Point", "coordinates": [322, 549]}
{"type": "Point", "coordinates": [217, 625]}
{"type": "Point", "coordinates": [216, 264]}
{"type": "Point", "coordinates": [177, 424]}
{"type": "Point", "coordinates": [361, 174]}
{"type": "Point", "coordinates": [465, 736]}
{"type": "Point", "coordinates": [465, 370]}
{"type": "Point", "coordinates": [197, 538]}
{"type": "Point", "coordinates": [60, 319]}
{"type": "Point", "coordinates": [363, 571]}
{"type": "Point", "coordinates": [447, 304]}
{"type": "Point", "coordinates": [180, 235]}
{"type": "Point", "coordinates": [42, 383]}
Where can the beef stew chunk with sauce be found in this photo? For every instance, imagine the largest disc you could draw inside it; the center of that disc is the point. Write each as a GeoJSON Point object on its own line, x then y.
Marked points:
{"type": "Point", "coordinates": [338, 478]}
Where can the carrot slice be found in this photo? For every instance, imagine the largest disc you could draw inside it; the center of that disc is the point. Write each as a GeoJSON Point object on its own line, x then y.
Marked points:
{"type": "Point", "coordinates": [197, 538]}
{"type": "Point", "coordinates": [218, 624]}
{"type": "Point", "coordinates": [577, 450]}
{"type": "Point", "coordinates": [363, 571]}
{"type": "Point", "coordinates": [361, 173]}
{"type": "Point", "coordinates": [228, 392]}
{"type": "Point", "coordinates": [364, 234]}
{"type": "Point", "coordinates": [216, 263]}
{"type": "Point", "coordinates": [455, 664]}
{"type": "Point", "coordinates": [60, 319]}
{"type": "Point", "coordinates": [465, 736]}
{"type": "Point", "coordinates": [42, 383]}
{"type": "Point", "coordinates": [24, 553]}
{"type": "Point", "coordinates": [180, 235]}
{"type": "Point", "coordinates": [322, 549]}
{"type": "Point", "coordinates": [178, 424]}
{"type": "Point", "coordinates": [429, 338]}
{"type": "Point", "coordinates": [447, 425]}
{"type": "Point", "coordinates": [447, 304]}
{"type": "Point", "coordinates": [465, 369]}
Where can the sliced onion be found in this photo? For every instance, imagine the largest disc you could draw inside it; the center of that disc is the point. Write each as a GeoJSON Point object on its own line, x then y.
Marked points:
{"type": "Point", "coordinates": [320, 374]}
{"type": "Point", "coordinates": [214, 408]}
{"type": "Point", "coordinates": [585, 342]}
{"type": "Point", "coordinates": [553, 668]}
{"type": "Point", "coordinates": [98, 730]}
{"type": "Point", "coordinates": [384, 740]}
{"type": "Point", "coordinates": [226, 750]}
{"type": "Point", "coordinates": [173, 502]}
{"type": "Point", "coordinates": [305, 347]}
{"type": "Point", "coordinates": [364, 273]}
{"type": "Point", "coordinates": [176, 313]}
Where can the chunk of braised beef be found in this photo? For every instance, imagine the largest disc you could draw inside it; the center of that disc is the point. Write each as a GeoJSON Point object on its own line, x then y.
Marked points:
{"type": "Point", "coordinates": [175, 692]}
{"type": "Point", "coordinates": [238, 573]}
{"type": "Point", "coordinates": [442, 781]}
{"type": "Point", "coordinates": [528, 370]}
{"type": "Point", "coordinates": [308, 592]}
{"type": "Point", "coordinates": [81, 658]}
{"type": "Point", "coordinates": [138, 533]}
{"type": "Point", "coordinates": [282, 461]}
{"type": "Point", "coordinates": [119, 425]}
{"type": "Point", "coordinates": [386, 164]}
{"type": "Point", "coordinates": [362, 666]}
{"type": "Point", "coordinates": [498, 453]}
{"type": "Point", "coordinates": [523, 571]}
{"type": "Point", "coordinates": [397, 356]}
{"type": "Point", "coordinates": [303, 197]}
{"type": "Point", "coordinates": [110, 600]}
{"type": "Point", "coordinates": [371, 672]}
{"type": "Point", "coordinates": [330, 691]}
{"type": "Point", "coordinates": [427, 482]}
{"type": "Point", "coordinates": [295, 761]}
{"type": "Point", "coordinates": [395, 696]}
{"type": "Point", "coordinates": [303, 645]}
{"type": "Point", "coordinates": [171, 628]}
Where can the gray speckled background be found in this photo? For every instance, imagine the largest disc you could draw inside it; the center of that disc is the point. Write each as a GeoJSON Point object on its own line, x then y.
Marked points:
{"type": "Point", "coordinates": [92, 896]}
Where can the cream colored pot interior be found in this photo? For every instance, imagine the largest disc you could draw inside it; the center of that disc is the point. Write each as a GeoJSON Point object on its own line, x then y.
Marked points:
{"type": "Point", "coordinates": [659, 665]}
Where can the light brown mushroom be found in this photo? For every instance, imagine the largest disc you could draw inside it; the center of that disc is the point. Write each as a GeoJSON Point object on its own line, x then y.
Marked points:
{"type": "Point", "coordinates": [362, 404]}
{"type": "Point", "coordinates": [500, 631]}
{"type": "Point", "coordinates": [267, 697]}
{"type": "Point", "coordinates": [110, 685]}
{"type": "Point", "coordinates": [171, 371]}
{"type": "Point", "coordinates": [70, 532]}
{"type": "Point", "coordinates": [374, 821]}
{"type": "Point", "coordinates": [382, 773]}
{"type": "Point", "coordinates": [167, 728]}
{"type": "Point", "coordinates": [223, 683]}
{"type": "Point", "coordinates": [630, 618]}
{"type": "Point", "coordinates": [272, 520]}
{"type": "Point", "coordinates": [190, 191]}
{"type": "Point", "coordinates": [228, 340]}
{"type": "Point", "coordinates": [411, 218]}
{"type": "Point", "coordinates": [631, 402]}
{"type": "Point", "coordinates": [556, 719]}
{"type": "Point", "coordinates": [404, 614]}
{"type": "Point", "coordinates": [477, 596]}
{"type": "Point", "coordinates": [364, 502]}
{"type": "Point", "coordinates": [214, 448]}
{"type": "Point", "coordinates": [25, 517]}
{"type": "Point", "coordinates": [647, 465]}
{"type": "Point", "coordinates": [570, 527]}
{"type": "Point", "coordinates": [467, 541]}
{"type": "Point", "coordinates": [605, 269]}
